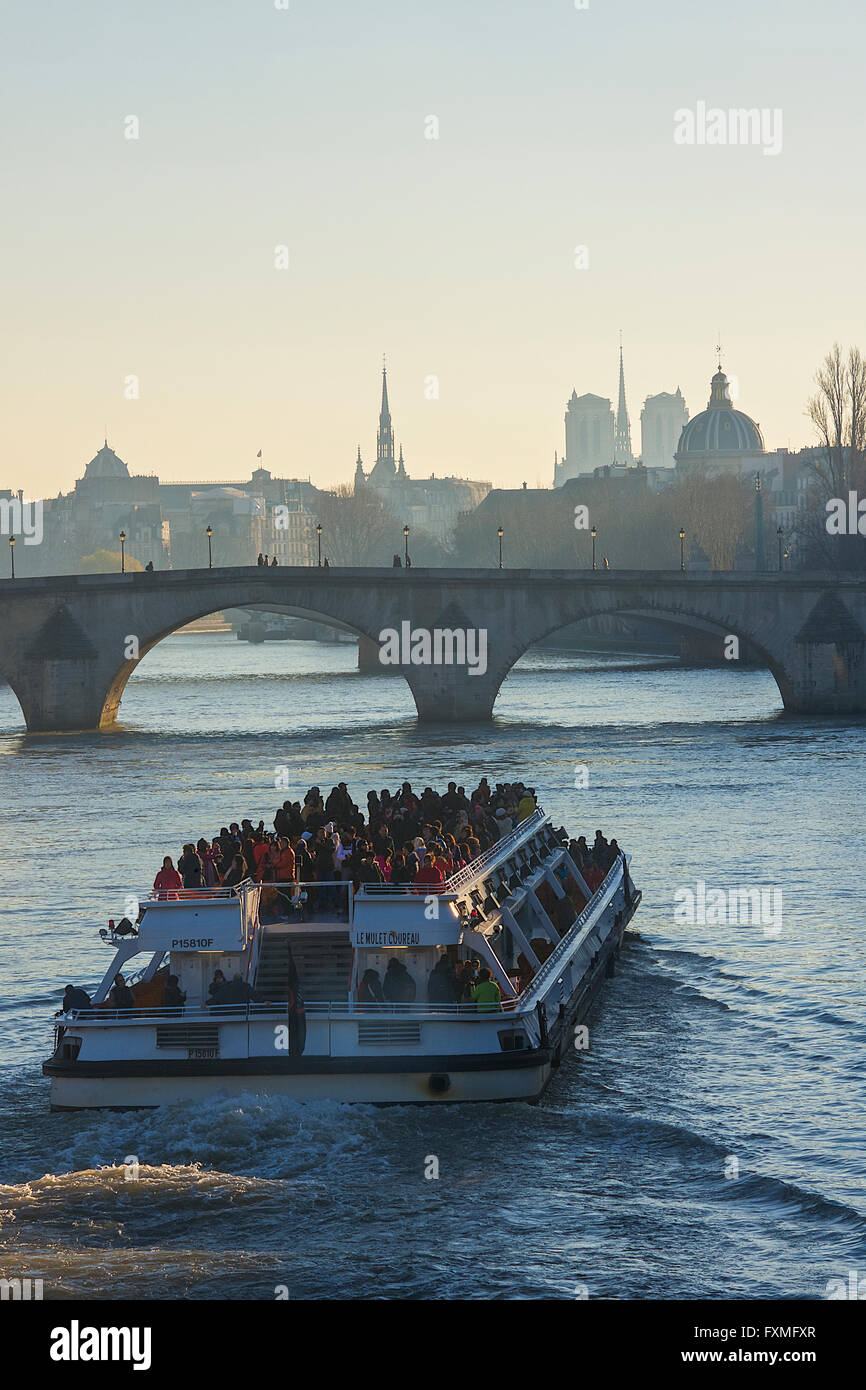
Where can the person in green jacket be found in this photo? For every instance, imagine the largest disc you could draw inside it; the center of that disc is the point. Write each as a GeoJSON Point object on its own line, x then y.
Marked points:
{"type": "Point", "coordinates": [486, 993]}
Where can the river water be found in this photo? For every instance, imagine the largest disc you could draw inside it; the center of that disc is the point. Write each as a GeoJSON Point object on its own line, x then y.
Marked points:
{"type": "Point", "coordinates": [708, 1144]}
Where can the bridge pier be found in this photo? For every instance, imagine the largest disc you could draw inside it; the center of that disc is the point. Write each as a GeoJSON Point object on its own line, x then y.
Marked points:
{"type": "Point", "coordinates": [825, 677]}
{"type": "Point", "coordinates": [63, 697]}
{"type": "Point", "coordinates": [368, 658]}
{"type": "Point", "coordinates": [447, 694]}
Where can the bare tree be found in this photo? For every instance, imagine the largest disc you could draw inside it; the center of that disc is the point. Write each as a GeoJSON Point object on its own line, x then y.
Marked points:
{"type": "Point", "coordinates": [357, 528]}
{"type": "Point", "coordinates": [838, 413]}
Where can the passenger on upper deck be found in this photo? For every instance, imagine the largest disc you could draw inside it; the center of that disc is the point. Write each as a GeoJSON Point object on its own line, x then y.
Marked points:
{"type": "Point", "coordinates": [189, 866]}
{"type": "Point", "coordinates": [527, 804]}
{"type": "Point", "coordinates": [121, 996]}
{"type": "Point", "coordinates": [482, 792]}
{"type": "Point", "coordinates": [368, 870]}
{"type": "Point", "coordinates": [237, 873]}
{"type": "Point", "coordinates": [579, 851]}
{"type": "Point", "coordinates": [211, 857]}
{"type": "Point", "coordinates": [336, 843]}
{"type": "Point", "coordinates": [429, 876]}
{"type": "Point", "coordinates": [74, 997]}
{"type": "Point", "coordinates": [400, 874]}
{"type": "Point", "coordinates": [167, 878]}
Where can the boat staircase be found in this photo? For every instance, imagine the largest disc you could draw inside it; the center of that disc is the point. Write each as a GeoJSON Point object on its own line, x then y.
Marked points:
{"type": "Point", "coordinates": [323, 961]}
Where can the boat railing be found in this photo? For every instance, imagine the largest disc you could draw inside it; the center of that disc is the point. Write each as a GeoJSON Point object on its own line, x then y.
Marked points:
{"type": "Point", "coordinates": [482, 863]}
{"type": "Point", "coordinates": [559, 958]}
{"type": "Point", "coordinates": [250, 1010]}
{"type": "Point", "coordinates": [406, 890]}
{"type": "Point", "coordinates": [161, 895]}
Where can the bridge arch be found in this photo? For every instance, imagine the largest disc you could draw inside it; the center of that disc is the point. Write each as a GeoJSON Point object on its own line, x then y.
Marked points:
{"type": "Point", "coordinates": [676, 613]}
{"type": "Point", "coordinates": [125, 669]}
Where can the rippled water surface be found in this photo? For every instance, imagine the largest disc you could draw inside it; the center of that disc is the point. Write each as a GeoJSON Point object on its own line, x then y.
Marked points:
{"type": "Point", "coordinates": [715, 1050]}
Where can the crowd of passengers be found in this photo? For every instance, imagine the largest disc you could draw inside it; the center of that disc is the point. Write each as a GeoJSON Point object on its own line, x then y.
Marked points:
{"type": "Point", "coordinates": [405, 839]}
{"type": "Point", "coordinates": [468, 982]}
{"type": "Point", "coordinates": [402, 838]}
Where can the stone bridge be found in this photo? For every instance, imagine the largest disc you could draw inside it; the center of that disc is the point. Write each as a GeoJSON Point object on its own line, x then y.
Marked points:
{"type": "Point", "coordinates": [68, 645]}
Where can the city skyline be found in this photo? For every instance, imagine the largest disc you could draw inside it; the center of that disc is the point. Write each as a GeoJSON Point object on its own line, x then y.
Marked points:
{"type": "Point", "coordinates": [68, 472]}
{"type": "Point", "coordinates": [433, 197]}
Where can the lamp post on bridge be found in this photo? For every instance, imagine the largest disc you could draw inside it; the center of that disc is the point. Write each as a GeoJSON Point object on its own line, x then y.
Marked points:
{"type": "Point", "coordinates": [779, 536]}
{"type": "Point", "coordinates": [682, 549]}
{"type": "Point", "coordinates": [209, 533]}
{"type": "Point", "coordinates": [406, 547]}
{"type": "Point", "coordinates": [500, 535]}
{"type": "Point", "coordinates": [123, 552]}
{"type": "Point", "coordinates": [594, 534]}
{"type": "Point", "coordinates": [12, 554]}
{"type": "Point", "coordinates": [319, 539]}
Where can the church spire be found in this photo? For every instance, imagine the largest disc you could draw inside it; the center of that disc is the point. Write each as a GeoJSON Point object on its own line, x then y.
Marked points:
{"type": "Point", "coordinates": [385, 435]}
{"type": "Point", "coordinates": [622, 438]}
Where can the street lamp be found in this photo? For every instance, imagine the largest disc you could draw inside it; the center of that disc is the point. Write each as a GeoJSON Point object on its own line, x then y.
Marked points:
{"type": "Point", "coordinates": [319, 538]}
{"type": "Point", "coordinates": [12, 554]}
{"type": "Point", "coordinates": [779, 534]}
{"type": "Point", "coordinates": [406, 546]}
{"type": "Point", "coordinates": [682, 548]}
{"type": "Point", "coordinates": [500, 534]}
{"type": "Point", "coordinates": [123, 552]}
{"type": "Point", "coordinates": [594, 534]}
{"type": "Point", "coordinates": [209, 533]}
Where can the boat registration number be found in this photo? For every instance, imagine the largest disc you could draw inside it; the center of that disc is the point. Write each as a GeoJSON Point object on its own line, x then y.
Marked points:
{"type": "Point", "coordinates": [196, 1052]}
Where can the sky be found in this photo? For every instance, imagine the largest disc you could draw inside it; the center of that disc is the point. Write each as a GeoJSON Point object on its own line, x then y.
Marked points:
{"type": "Point", "coordinates": [306, 127]}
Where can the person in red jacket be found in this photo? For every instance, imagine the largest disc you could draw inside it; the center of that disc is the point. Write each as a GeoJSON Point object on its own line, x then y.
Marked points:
{"type": "Point", "coordinates": [167, 878]}
{"type": "Point", "coordinates": [429, 876]}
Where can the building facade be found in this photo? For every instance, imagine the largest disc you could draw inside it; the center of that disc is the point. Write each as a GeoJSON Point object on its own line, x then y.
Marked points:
{"type": "Point", "coordinates": [589, 437]}
{"type": "Point", "coordinates": [662, 421]}
{"type": "Point", "coordinates": [596, 437]}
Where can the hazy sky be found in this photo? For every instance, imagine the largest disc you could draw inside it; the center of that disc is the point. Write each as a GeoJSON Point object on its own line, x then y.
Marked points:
{"type": "Point", "coordinates": [261, 127]}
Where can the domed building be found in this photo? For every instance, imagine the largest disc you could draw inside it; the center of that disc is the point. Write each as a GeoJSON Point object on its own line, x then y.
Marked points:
{"type": "Point", "coordinates": [109, 499]}
{"type": "Point", "coordinates": [106, 464]}
{"type": "Point", "coordinates": [720, 439]}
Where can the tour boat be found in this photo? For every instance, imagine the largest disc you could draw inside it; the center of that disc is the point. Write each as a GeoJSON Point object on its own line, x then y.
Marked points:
{"type": "Point", "coordinates": [522, 908]}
